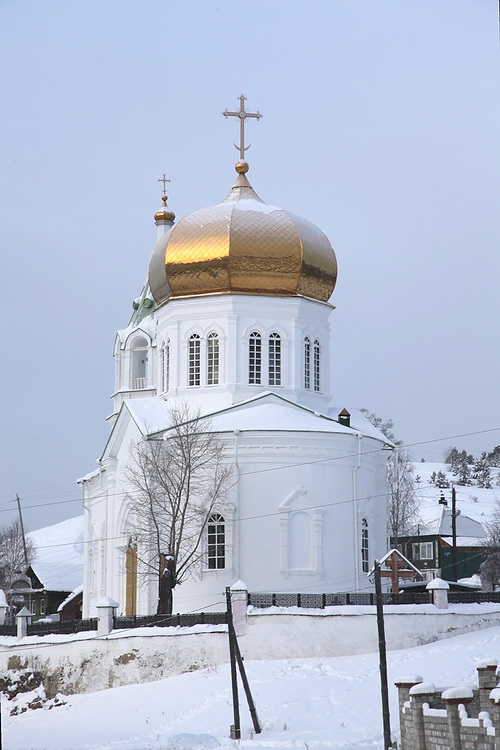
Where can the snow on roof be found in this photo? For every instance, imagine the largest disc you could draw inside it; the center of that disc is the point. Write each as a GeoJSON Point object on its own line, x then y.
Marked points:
{"type": "Point", "coordinates": [360, 422]}
{"type": "Point", "coordinates": [59, 554]}
{"type": "Point", "coordinates": [436, 519]}
{"type": "Point", "coordinates": [267, 411]}
{"type": "Point", "coordinates": [73, 595]}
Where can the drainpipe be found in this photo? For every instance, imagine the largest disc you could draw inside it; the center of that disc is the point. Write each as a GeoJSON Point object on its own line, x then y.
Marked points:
{"type": "Point", "coordinates": [236, 528]}
{"type": "Point", "coordinates": [355, 515]}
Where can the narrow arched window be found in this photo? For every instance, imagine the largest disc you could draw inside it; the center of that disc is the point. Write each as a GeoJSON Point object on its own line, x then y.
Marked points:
{"type": "Point", "coordinates": [194, 360]}
{"type": "Point", "coordinates": [212, 359]}
{"type": "Point", "coordinates": [316, 365]}
{"type": "Point", "coordinates": [365, 552]}
{"type": "Point", "coordinates": [274, 359]}
{"type": "Point", "coordinates": [307, 363]}
{"type": "Point", "coordinates": [216, 542]}
{"type": "Point", "coordinates": [139, 363]}
{"type": "Point", "coordinates": [165, 366]}
{"type": "Point", "coordinates": [255, 358]}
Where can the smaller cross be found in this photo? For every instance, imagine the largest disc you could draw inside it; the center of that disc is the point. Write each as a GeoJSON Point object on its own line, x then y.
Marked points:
{"type": "Point", "coordinates": [164, 180]}
{"type": "Point", "coordinates": [243, 115]}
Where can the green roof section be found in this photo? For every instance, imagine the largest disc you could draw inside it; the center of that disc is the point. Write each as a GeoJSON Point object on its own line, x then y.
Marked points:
{"type": "Point", "coordinates": [143, 306]}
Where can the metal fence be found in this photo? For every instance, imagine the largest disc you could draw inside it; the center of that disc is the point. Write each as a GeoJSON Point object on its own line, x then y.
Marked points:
{"type": "Point", "coordinates": [169, 621]}
{"type": "Point", "coordinates": [67, 627]}
{"type": "Point", "coordinates": [320, 601]}
{"type": "Point", "coordinates": [8, 629]}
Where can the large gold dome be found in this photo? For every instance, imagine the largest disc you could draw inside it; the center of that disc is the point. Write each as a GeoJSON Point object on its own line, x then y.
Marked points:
{"type": "Point", "coordinates": [243, 245]}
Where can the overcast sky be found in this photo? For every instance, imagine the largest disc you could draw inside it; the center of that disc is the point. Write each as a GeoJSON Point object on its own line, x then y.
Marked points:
{"type": "Point", "coordinates": [381, 125]}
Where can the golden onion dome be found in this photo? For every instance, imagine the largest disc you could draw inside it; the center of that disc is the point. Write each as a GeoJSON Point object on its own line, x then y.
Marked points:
{"type": "Point", "coordinates": [243, 245]}
{"type": "Point", "coordinates": [164, 215]}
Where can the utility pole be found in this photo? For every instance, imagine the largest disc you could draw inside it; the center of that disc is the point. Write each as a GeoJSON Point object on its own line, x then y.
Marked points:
{"type": "Point", "coordinates": [22, 530]}
{"type": "Point", "coordinates": [454, 532]}
{"type": "Point", "coordinates": [235, 731]}
{"type": "Point", "coordinates": [382, 657]}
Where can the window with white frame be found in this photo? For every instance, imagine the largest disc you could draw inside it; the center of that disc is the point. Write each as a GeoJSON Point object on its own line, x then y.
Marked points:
{"type": "Point", "coordinates": [274, 359]}
{"type": "Point", "coordinates": [212, 359]}
{"type": "Point", "coordinates": [307, 363]}
{"type": "Point", "coordinates": [255, 358]}
{"type": "Point", "coordinates": [216, 542]}
{"type": "Point", "coordinates": [316, 365]}
{"type": "Point", "coordinates": [365, 551]}
{"type": "Point", "coordinates": [423, 551]}
{"type": "Point", "coordinates": [194, 360]}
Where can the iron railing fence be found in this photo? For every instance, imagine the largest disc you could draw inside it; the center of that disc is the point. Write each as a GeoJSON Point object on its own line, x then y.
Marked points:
{"type": "Point", "coordinates": [169, 621]}
{"type": "Point", "coordinates": [473, 597]}
{"type": "Point", "coordinates": [320, 601]}
{"type": "Point", "coordinates": [8, 629]}
{"type": "Point", "coordinates": [67, 627]}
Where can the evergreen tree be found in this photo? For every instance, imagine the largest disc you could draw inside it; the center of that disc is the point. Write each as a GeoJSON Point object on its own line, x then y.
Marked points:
{"type": "Point", "coordinates": [481, 471]}
{"type": "Point", "coordinates": [452, 458]}
{"type": "Point", "coordinates": [494, 456]}
{"type": "Point", "coordinates": [462, 469]}
{"type": "Point", "coordinates": [441, 480]}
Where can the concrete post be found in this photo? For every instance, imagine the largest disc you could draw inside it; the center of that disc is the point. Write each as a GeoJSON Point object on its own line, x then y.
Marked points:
{"type": "Point", "coordinates": [452, 698]}
{"type": "Point", "coordinates": [439, 590]}
{"type": "Point", "coordinates": [404, 684]}
{"type": "Point", "coordinates": [23, 619]}
{"type": "Point", "coordinates": [239, 602]}
{"type": "Point", "coordinates": [106, 609]}
{"type": "Point", "coordinates": [487, 680]}
{"type": "Point", "coordinates": [419, 694]}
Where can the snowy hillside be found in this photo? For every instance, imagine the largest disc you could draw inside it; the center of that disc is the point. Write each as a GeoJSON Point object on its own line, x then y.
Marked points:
{"type": "Point", "coordinates": [59, 554]}
{"type": "Point", "coordinates": [302, 703]}
{"type": "Point", "coordinates": [474, 502]}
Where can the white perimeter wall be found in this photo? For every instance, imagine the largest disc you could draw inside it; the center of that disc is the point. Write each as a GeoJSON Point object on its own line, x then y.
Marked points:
{"type": "Point", "coordinates": [86, 664]}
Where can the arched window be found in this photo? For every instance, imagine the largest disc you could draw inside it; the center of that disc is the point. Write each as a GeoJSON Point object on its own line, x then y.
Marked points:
{"type": "Point", "coordinates": [307, 363]}
{"type": "Point", "coordinates": [165, 366]}
{"type": "Point", "coordinates": [212, 359]}
{"type": "Point", "coordinates": [365, 552]}
{"type": "Point", "coordinates": [194, 360]}
{"type": "Point", "coordinates": [131, 579]}
{"type": "Point", "coordinates": [139, 363]}
{"type": "Point", "coordinates": [216, 542]}
{"type": "Point", "coordinates": [255, 358]}
{"type": "Point", "coordinates": [316, 365]}
{"type": "Point", "coordinates": [274, 359]}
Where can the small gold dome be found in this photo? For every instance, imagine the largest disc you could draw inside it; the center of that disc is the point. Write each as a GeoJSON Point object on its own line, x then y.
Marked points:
{"type": "Point", "coordinates": [164, 214]}
{"type": "Point", "coordinates": [243, 245]}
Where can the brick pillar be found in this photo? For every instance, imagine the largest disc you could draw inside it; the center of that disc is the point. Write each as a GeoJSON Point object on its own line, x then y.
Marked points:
{"type": "Point", "coordinates": [487, 680]}
{"type": "Point", "coordinates": [404, 684]}
{"type": "Point", "coordinates": [419, 694]}
{"type": "Point", "coordinates": [494, 711]}
{"type": "Point", "coordinates": [452, 699]}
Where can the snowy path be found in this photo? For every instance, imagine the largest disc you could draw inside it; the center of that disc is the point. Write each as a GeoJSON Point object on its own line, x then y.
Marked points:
{"type": "Point", "coordinates": [308, 703]}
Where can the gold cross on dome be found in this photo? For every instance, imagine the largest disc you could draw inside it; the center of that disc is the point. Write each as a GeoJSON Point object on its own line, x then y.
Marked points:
{"type": "Point", "coordinates": [243, 115]}
{"type": "Point", "coordinates": [164, 180]}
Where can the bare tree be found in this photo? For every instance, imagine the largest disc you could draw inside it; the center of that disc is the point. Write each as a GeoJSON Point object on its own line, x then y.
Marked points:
{"type": "Point", "coordinates": [490, 568]}
{"type": "Point", "coordinates": [14, 560]}
{"type": "Point", "coordinates": [400, 470]}
{"type": "Point", "coordinates": [403, 498]}
{"type": "Point", "coordinates": [177, 480]}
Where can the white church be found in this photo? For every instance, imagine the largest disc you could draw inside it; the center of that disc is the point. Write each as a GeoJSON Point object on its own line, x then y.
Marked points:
{"type": "Point", "coordinates": [235, 321]}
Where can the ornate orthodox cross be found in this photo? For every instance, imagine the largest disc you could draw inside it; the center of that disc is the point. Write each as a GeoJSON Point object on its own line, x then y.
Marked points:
{"type": "Point", "coordinates": [243, 115]}
{"type": "Point", "coordinates": [164, 180]}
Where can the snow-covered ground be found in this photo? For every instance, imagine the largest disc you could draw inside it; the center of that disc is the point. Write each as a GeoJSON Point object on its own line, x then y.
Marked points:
{"type": "Point", "coordinates": [302, 703]}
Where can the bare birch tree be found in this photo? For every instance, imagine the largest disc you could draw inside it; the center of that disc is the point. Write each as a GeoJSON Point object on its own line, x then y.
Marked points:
{"type": "Point", "coordinates": [403, 500]}
{"type": "Point", "coordinates": [12, 554]}
{"type": "Point", "coordinates": [177, 480]}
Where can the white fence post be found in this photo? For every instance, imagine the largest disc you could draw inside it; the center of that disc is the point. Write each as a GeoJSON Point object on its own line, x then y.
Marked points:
{"type": "Point", "coordinates": [106, 609]}
{"type": "Point", "coordinates": [239, 601]}
{"type": "Point", "coordinates": [23, 619]}
{"type": "Point", "coordinates": [439, 590]}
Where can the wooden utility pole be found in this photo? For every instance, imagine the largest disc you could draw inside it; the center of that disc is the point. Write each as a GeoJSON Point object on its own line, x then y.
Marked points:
{"type": "Point", "coordinates": [235, 730]}
{"type": "Point", "coordinates": [382, 658]}
{"type": "Point", "coordinates": [234, 652]}
{"type": "Point", "coordinates": [454, 532]}
{"type": "Point", "coordinates": [22, 531]}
